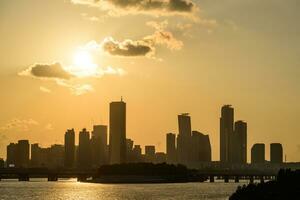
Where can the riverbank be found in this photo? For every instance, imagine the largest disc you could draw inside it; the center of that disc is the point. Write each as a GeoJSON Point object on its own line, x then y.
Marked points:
{"type": "Point", "coordinates": [145, 173]}
{"type": "Point", "coordinates": [137, 179]}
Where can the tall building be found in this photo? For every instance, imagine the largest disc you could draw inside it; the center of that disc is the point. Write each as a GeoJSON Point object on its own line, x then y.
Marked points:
{"type": "Point", "coordinates": [201, 148]}
{"type": "Point", "coordinates": [35, 155]}
{"type": "Point", "coordinates": [22, 154]}
{"type": "Point", "coordinates": [129, 151]}
{"type": "Point", "coordinates": [240, 142]}
{"type": "Point", "coordinates": [11, 155]}
{"type": "Point", "coordinates": [84, 151]}
{"type": "Point", "coordinates": [56, 156]}
{"type": "Point", "coordinates": [117, 132]}
{"type": "Point", "coordinates": [160, 157]}
{"type": "Point", "coordinates": [226, 132]}
{"type": "Point", "coordinates": [276, 153]}
{"type": "Point", "coordinates": [99, 145]}
{"type": "Point", "coordinates": [150, 153]}
{"type": "Point", "coordinates": [184, 138]}
{"type": "Point", "coordinates": [137, 153]}
{"type": "Point", "coordinates": [258, 153]}
{"type": "Point", "coordinates": [171, 148]}
{"type": "Point", "coordinates": [69, 155]}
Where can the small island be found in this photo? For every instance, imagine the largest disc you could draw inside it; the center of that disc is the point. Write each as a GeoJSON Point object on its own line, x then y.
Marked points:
{"type": "Point", "coordinates": [145, 173]}
{"type": "Point", "coordinates": [286, 186]}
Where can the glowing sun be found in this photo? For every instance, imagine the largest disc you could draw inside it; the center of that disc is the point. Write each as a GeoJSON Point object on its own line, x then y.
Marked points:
{"type": "Point", "coordinates": [83, 64]}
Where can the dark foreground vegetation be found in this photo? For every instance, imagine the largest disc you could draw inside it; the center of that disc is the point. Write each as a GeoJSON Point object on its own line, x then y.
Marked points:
{"type": "Point", "coordinates": [146, 173]}
{"type": "Point", "coordinates": [286, 186]}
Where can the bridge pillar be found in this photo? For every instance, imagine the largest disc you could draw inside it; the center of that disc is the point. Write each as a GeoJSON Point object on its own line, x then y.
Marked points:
{"type": "Point", "coordinates": [226, 179]}
{"type": "Point", "coordinates": [251, 178]}
{"type": "Point", "coordinates": [23, 177]}
{"type": "Point", "coordinates": [52, 178]}
{"type": "Point", "coordinates": [236, 179]}
{"type": "Point", "coordinates": [211, 178]}
{"type": "Point", "coordinates": [261, 179]}
{"type": "Point", "coordinates": [81, 178]}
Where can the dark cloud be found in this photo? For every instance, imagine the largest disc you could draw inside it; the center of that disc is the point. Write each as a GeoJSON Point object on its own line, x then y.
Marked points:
{"type": "Point", "coordinates": [126, 48]}
{"type": "Point", "coordinates": [162, 6]}
{"type": "Point", "coordinates": [54, 70]}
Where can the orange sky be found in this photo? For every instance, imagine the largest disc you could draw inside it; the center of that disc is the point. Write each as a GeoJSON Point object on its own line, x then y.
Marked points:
{"type": "Point", "coordinates": [62, 62]}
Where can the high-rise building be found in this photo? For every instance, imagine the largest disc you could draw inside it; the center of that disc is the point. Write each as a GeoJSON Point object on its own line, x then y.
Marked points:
{"type": "Point", "coordinates": [184, 138]}
{"type": "Point", "coordinates": [150, 153]}
{"type": "Point", "coordinates": [69, 155]}
{"type": "Point", "coordinates": [11, 155]}
{"type": "Point", "coordinates": [137, 153]}
{"type": "Point", "coordinates": [117, 132]}
{"type": "Point", "coordinates": [129, 151]}
{"type": "Point", "coordinates": [258, 153]}
{"type": "Point", "coordinates": [99, 145]}
{"type": "Point", "coordinates": [240, 142]}
{"type": "Point", "coordinates": [84, 150]}
{"type": "Point", "coordinates": [22, 154]}
{"type": "Point", "coordinates": [56, 156]}
{"type": "Point", "coordinates": [226, 133]}
{"type": "Point", "coordinates": [276, 153]}
{"type": "Point", "coordinates": [160, 157]}
{"type": "Point", "coordinates": [201, 148]}
{"type": "Point", "coordinates": [171, 148]}
{"type": "Point", "coordinates": [35, 155]}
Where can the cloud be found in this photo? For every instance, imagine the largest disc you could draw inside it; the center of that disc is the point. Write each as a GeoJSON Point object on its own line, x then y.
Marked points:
{"type": "Point", "coordinates": [127, 47]}
{"type": "Point", "coordinates": [20, 124]}
{"type": "Point", "coordinates": [152, 7]}
{"type": "Point", "coordinates": [54, 70]}
{"type": "Point", "coordinates": [44, 89]}
{"type": "Point", "coordinates": [70, 77]}
{"type": "Point", "coordinates": [143, 47]}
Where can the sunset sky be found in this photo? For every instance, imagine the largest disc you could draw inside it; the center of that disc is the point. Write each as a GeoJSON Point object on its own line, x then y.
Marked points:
{"type": "Point", "coordinates": [63, 61]}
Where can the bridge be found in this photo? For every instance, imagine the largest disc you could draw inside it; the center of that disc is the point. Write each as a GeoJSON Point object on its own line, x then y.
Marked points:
{"type": "Point", "coordinates": [237, 174]}
{"type": "Point", "coordinates": [24, 174]}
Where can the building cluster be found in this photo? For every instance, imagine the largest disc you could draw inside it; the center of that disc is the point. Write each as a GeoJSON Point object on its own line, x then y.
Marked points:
{"type": "Point", "coordinates": [258, 153]}
{"type": "Point", "coordinates": [190, 148]}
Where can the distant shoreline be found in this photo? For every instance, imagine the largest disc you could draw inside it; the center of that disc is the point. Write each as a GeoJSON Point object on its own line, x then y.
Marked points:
{"type": "Point", "coordinates": [140, 179]}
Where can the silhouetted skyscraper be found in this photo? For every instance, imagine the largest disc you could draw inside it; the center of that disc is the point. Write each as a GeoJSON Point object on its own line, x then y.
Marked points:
{"type": "Point", "coordinates": [276, 153]}
{"type": "Point", "coordinates": [150, 153]}
{"type": "Point", "coordinates": [258, 153]}
{"type": "Point", "coordinates": [171, 148]}
{"type": "Point", "coordinates": [240, 142]}
{"type": "Point", "coordinates": [184, 138]}
{"type": "Point", "coordinates": [69, 155]}
{"type": "Point", "coordinates": [117, 132]}
{"type": "Point", "coordinates": [11, 154]}
{"type": "Point", "coordinates": [129, 151]}
{"type": "Point", "coordinates": [226, 132]}
{"type": "Point", "coordinates": [36, 155]}
{"type": "Point", "coordinates": [22, 154]}
{"type": "Point", "coordinates": [99, 145]}
{"type": "Point", "coordinates": [201, 148]}
{"type": "Point", "coordinates": [137, 153]}
{"type": "Point", "coordinates": [84, 150]}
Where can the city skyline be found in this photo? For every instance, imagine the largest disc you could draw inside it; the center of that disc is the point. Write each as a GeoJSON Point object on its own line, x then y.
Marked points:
{"type": "Point", "coordinates": [62, 62]}
{"type": "Point", "coordinates": [186, 147]}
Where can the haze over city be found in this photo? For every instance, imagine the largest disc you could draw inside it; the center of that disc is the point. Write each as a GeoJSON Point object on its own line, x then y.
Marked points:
{"type": "Point", "coordinates": [63, 62]}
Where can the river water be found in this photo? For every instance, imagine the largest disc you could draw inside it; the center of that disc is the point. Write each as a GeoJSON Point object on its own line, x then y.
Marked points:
{"type": "Point", "coordinates": [73, 190]}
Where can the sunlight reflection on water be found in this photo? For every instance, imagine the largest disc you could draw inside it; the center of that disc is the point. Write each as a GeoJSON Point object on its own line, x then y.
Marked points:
{"type": "Point", "coordinates": [72, 190]}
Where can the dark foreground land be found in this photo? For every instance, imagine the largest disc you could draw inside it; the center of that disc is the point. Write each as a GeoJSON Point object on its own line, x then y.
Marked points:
{"type": "Point", "coordinates": [146, 173]}
{"type": "Point", "coordinates": [285, 187]}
